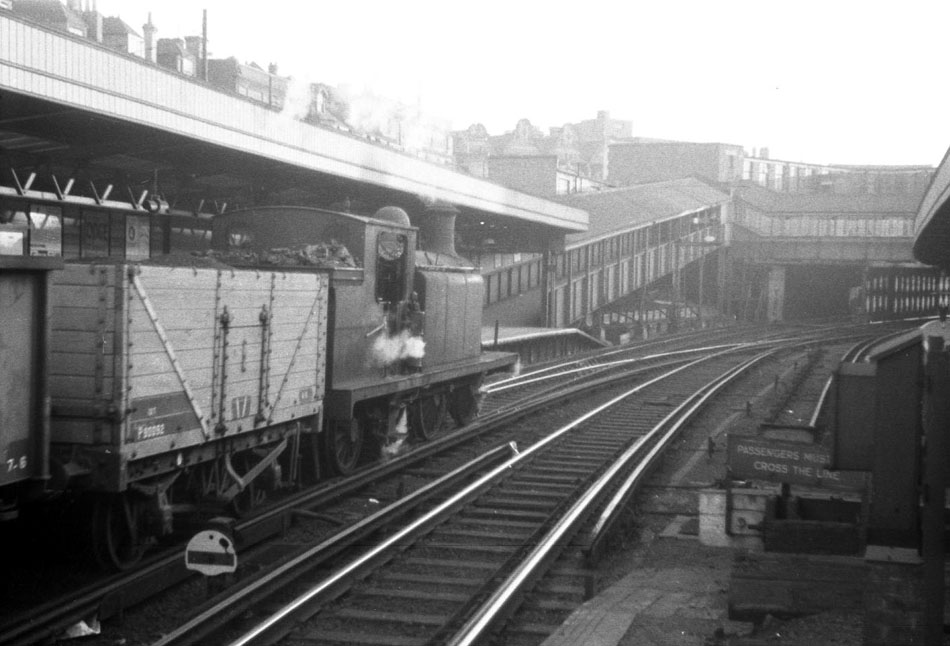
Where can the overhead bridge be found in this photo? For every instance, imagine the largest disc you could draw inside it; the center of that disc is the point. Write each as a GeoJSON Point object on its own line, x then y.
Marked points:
{"type": "Point", "coordinates": [683, 253]}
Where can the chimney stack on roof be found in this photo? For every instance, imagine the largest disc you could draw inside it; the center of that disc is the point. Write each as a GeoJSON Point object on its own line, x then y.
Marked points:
{"type": "Point", "coordinates": [149, 30]}
{"type": "Point", "coordinates": [194, 46]}
{"type": "Point", "coordinates": [93, 21]}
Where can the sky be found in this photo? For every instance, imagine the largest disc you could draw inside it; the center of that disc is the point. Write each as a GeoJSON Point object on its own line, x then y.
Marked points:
{"type": "Point", "coordinates": [826, 81]}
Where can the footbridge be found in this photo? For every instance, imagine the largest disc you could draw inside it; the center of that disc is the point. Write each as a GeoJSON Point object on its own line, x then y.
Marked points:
{"type": "Point", "coordinates": [804, 254]}
{"type": "Point", "coordinates": [687, 253]}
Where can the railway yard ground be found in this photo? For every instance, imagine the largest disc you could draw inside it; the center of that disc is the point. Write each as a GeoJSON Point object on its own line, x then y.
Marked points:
{"type": "Point", "coordinates": [658, 584]}
{"type": "Point", "coordinates": [665, 588]}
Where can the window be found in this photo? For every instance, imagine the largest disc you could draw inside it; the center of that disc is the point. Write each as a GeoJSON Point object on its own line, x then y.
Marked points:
{"type": "Point", "coordinates": [14, 232]}
{"type": "Point", "coordinates": [391, 267]}
{"type": "Point", "coordinates": [137, 240]}
{"type": "Point", "coordinates": [46, 231]}
{"type": "Point", "coordinates": [577, 299]}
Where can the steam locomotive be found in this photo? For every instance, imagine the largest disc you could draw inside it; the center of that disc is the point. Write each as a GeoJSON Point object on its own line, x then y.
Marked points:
{"type": "Point", "coordinates": [303, 343]}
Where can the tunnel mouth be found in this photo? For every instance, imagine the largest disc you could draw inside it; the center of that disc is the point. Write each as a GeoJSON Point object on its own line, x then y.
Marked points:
{"type": "Point", "coordinates": [820, 291]}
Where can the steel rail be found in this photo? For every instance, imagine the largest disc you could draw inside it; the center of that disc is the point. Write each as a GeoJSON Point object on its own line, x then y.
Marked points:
{"type": "Point", "coordinates": [505, 595]}
{"type": "Point", "coordinates": [676, 420]}
{"type": "Point", "coordinates": [266, 630]}
{"type": "Point", "coordinates": [164, 570]}
{"type": "Point", "coordinates": [236, 602]}
{"type": "Point", "coordinates": [167, 569]}
{"type": "Point", "coordinates": [860, 351]}
{"type": "Point", "coordinates": [539, 376]}
{"type": "Point", "coordinates": [821, 403]}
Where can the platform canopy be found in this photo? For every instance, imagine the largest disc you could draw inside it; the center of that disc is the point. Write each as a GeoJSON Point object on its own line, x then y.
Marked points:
{"type": "Point", "coordinates": [932, 229]}
{"type": "Point", "coordinates": [73, 109]}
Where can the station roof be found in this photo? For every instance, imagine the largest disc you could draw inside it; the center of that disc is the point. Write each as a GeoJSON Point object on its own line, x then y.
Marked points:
{"type": "Point", "coordinates": [618, 209]}
{"type": "Point", "coordinates": [932, 238]}
{"type": "Point", "coordinates": [770, 201]}
{"type": "Point", "coordinates": [78, 108]}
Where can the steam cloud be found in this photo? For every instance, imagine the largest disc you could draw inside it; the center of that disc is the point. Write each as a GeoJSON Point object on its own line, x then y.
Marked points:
{"type": "Point", "coordinates": [387, 350]}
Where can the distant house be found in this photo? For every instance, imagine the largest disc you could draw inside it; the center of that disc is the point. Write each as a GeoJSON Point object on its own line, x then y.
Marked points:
{"type": "Point", "coordinates": [642, 161]}
{"type": "Point", "coordinates": [55, 14]}
{"type": "Point", "coordinates": [579, 148]}
{"type": "Point", "coordinates": [327, 107]}
{"type": "Point", "coordinates": [173, 54]}
{"type": "Point", "coordinates": [249, 80]}
{"type": "Point", "coordinates": [525, 139]}
{"type": "Point", "coordinates": [118, 35]}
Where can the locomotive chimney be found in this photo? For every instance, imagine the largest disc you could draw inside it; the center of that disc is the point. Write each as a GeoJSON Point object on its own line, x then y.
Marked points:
{"type": "Point", "coordinates": [437, 228]}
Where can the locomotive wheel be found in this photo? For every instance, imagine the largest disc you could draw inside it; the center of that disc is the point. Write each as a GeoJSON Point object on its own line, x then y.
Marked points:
{"type": "Point", "coordinates": [344, 444]}
{"type": "Point", "coordinates": [427, 415]}
{"type": "Point", "coordinates": [117, 541]}
{"type": "Point", "coordinates": [463, 403]}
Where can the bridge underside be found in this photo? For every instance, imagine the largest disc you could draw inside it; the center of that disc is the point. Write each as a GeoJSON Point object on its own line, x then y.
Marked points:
{"type": "Point", "coordinates": [734, 286]}
{"type": "Point", "coordinates": [805, 277]}
{"type": "Point", "coordinates": [759, 291]}
{"type": "Point", "coordinates": [823, 251]}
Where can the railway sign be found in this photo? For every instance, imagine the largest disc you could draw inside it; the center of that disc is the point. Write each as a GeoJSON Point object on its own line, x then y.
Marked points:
{"type": "Point", "coordinates": [791, 462]}
{"type": "Point", "coordinates": [211, 553]}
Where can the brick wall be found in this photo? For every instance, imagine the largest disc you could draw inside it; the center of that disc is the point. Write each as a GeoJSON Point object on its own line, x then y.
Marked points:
{"type": "Point", "coordinates": [894, 606]}
{"type": "Point", "coordinates": [656, 162]}
{"type": "Point", "coordinates": [534, 175]}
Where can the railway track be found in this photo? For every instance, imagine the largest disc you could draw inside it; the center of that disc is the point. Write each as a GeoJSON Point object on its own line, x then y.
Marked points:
{"type": "Point", "coordinates": [162, 570]}
{"type": "Point", "coordinates": [456, 572]}
{"type": "Point", "coordinates": [103, 599]}
{"type": "Point", "coordinates": [591, 367]}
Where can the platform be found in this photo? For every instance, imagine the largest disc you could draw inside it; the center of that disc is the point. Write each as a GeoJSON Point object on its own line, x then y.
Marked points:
{"type": "Point", "coordinates": [537, 344]}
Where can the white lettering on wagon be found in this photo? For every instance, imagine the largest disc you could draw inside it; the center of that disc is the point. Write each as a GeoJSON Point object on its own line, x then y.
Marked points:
{"type": "Point", "coordinates": [148, 431]}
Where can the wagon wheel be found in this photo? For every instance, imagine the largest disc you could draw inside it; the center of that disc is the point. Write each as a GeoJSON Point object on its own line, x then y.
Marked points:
{"type": "Point", "coordinates": [252, 496]}
{"type": "Point", "coordinates": [427, 415]}
{"type": "Point", "coordinates": [117, 539]}
{"type": "Point", "coordinates": [464, 403]}
{"type": "Point", "coordinates": [344, 444]}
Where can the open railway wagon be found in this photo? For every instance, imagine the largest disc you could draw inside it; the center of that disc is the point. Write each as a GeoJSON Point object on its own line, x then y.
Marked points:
{"type": "Point", "coordinates": [305, 338]}
{"type": "Point", "coordinates": [175, 385]}
{"type": "Point", "coordinates": [24, 357]}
